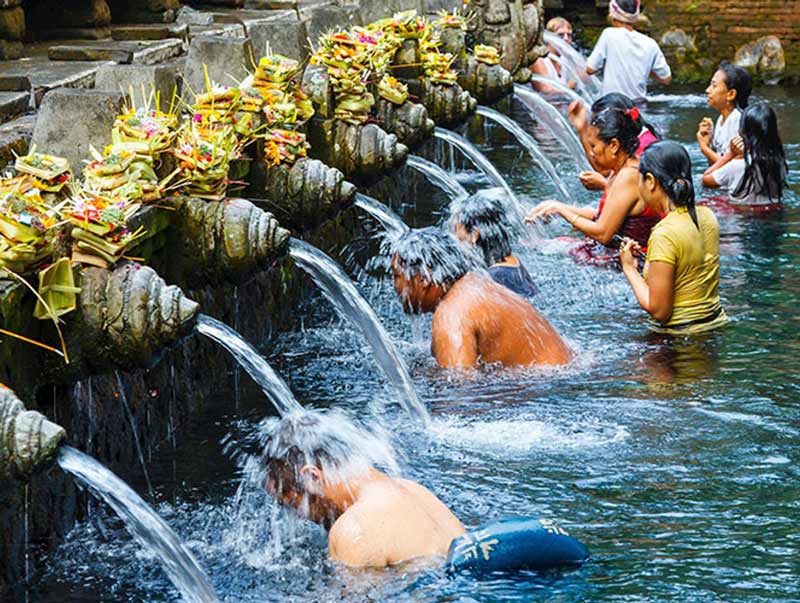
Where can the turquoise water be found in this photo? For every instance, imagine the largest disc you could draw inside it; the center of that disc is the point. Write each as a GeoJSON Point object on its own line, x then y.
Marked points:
{"type": "Point", "coordinates": [674, 461]}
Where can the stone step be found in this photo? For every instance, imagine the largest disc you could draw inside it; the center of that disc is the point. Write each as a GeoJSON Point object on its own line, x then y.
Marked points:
{"type": "Point", "coordinates": [160, 31]}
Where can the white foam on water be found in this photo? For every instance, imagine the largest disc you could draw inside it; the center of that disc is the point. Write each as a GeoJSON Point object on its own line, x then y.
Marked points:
{"type": "Point", "coordinates": [523, 435]}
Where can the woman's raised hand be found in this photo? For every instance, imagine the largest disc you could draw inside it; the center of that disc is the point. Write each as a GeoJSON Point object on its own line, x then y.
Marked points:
{"type": "Point", "coordinates": [737, 146]}
{"type": "Point", "coordinates": [626, 257]}
{"type": "Point", "coordinates": [577, 115]}
{"type": "Point", "coordinates": [542, 211]}
{"type": "Point", "coordinates": [592, 181]}
{"type": "Point", "coordinates": [704, 130]}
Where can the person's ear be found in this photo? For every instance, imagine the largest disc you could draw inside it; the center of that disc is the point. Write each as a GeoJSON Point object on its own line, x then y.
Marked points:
{"type": "Point", "coordinates": [474, 236]}
{"type": "Point", "coordinates": [731, 96]}
{"type": "Point", "coordinates": [312, 479]}
{"type": "Point", "coordinates": [613, 146]}
{"type": "Point", "coordinates": [650, 182]}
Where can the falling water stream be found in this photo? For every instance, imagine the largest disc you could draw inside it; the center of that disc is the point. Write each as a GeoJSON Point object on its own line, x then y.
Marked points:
{"type": "Point", "coordinates": [149, 530]}
{"type": "Point", "coordinates": [342, 293]}
{"type": "Point", "coordinates": [563, 89]}
{"type": "Point", "coordinates": [250, 360]}
{"type": "Point", "coordinates": [542, 111]}
{"type": "Point", "coordinates": [479, 159]}
{"type": "Point", "coordinates": [438, 177]}
{"type": "Point", "coordinates": [575, 65]}
{"type": "Point", "coordinates": [530, 144]}
{"type": "Point", "coordinates": [383, 214]}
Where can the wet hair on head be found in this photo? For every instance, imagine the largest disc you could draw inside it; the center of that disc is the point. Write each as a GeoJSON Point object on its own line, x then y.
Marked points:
{"type": "Point", "coordinates": [670, 165]}
{"type": "Point", "coordinates": [765, 169]}
{"type": "Point", "coordinates": [737, 78]}
{"type": "Point", "coordinates": [486, 213]}
{"type": "Point", "coordinates": [429, 252]}
{"type": "Point", "coordinates": [629, 6]}
{"type": "Point", "coordinates": [616, 116]}
{"type": "Point", "coordinates": [556, 22]}
{"type": "Point", "coordinates": [326, 439]}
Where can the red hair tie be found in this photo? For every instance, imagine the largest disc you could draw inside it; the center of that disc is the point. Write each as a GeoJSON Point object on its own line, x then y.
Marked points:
{"type": "Point", "coordinates": [633, 113]}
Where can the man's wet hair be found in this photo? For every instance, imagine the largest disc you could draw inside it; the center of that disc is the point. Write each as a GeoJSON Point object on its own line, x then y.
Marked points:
{"type": "Point", "coordinates": [325, 439]}
{"type": "Point", "coordinates": [485, 212]}
{"type": "Point", "coordinates": [431, 253]}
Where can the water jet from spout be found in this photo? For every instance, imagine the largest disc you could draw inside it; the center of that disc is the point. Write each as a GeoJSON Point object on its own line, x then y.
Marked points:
{"type": "Point", "coordinates": [437, 176]}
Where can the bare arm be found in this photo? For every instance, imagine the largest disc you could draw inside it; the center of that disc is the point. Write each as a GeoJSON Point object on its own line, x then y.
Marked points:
{"type": "Point", "coordinates": [539, 69]}
{"type": "Point", "coordinates": [708, 176]}
{"type": "Point", "coordinates": [620, 200]}
{"type": "Point", "coordinates": [656, 294]}
{"type": "Point", "coordinates": [454, 341]}
{"type": "Point", "coordinates": [348, 544]}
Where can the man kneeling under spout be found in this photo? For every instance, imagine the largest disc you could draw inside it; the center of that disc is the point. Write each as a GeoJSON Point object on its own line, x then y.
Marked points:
{"type": "Point", "coordinates": [313, 466]}
{"type": "Point", "coordinates": [475, 319]}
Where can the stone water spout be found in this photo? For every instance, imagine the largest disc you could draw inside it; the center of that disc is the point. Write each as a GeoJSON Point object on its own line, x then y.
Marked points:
{"type": "Point", "coordinates": [409, 121]}
{"type": "Point", "coordinates": [364, 151]}
{"type": "Point", "coordinates": [126, 316]}
{"type": "Point", "coordinates": [447, 105]}
{"type": "Point", "coordinates": [229, 239]}
{"type": "Point", "coordinates": [487, 83]}
{"type": "Point", "coordinates": [514, 27]}
{"type": "Point", "coordinates": [307, 192]}
{"type": "Point", "coordinates": [28, 441]}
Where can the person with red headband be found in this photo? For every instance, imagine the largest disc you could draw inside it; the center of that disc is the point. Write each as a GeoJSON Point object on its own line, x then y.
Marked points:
{"type": "Point", "coordinates": [613, 141]}
{"type": "Point", "coordinates": [626, 57]}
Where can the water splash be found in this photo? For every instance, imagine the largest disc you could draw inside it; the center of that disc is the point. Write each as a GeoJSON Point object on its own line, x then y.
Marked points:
{"type": "Point", "coordinates": [479, 159]}
{"type": "Point", "coordinates": [575, 65]}
{"type": "Point", "coordinates": [438, 177]}
{"type": "Point", "coordinates": [149, 530]}
{"type": "Point", "coordinates": [565, 90]}
{"type": "Point", "coordinates": [530, 144]}
{"type": "Point", "coordinates": [250, 360]}
{"type": "Point", "coordinates": [342, 293]}
{"type": "Point", "coordinates": [382, 213]}
{"type": "Point", "coordinates": [545, 113]}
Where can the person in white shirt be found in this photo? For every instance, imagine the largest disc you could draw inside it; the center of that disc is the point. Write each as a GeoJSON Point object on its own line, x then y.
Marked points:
{"type": "Point", "coordinates": [728, 93]}
{"type": "Point", "coordinates": [753, 171]}
{"type": "Point", "coordinates": [628, 58]}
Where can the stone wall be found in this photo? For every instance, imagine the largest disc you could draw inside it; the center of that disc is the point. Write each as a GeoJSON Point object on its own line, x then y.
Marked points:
{"type": "Point", "coordinates": [718, 27]}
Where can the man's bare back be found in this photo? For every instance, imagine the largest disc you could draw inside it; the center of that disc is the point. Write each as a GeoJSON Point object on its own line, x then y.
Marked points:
{"type": "Point", "coordinates": [392, 520]}
{"type": "Point", "coordinates": [479, 319]}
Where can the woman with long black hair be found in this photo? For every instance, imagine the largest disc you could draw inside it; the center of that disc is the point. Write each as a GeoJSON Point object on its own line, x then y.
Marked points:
{"type": "Point", "coordinates": [753, 171]}
{"type": "Point", "coordinates": [679, 287]}
{"type": "Point", "coordinates": [728, 93]}
{"type": "Point", "coordinates": [612, 141]}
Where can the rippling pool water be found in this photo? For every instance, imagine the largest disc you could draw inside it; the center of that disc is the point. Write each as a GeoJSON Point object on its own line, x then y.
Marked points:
{"type": "Point", "coordinates": [675, 462]}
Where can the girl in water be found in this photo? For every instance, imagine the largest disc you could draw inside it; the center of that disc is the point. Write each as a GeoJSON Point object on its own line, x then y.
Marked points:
{"type": "Point", "coordinates": [680, 286]}
{"type": "Point", "coordinates": [728, 93]}
{"type": "Point", "coordinates": [550, 66]}
{"type": "Point", "coordinates": [753, 171]}
{"type": "Point", "coordinates": [612, 138]}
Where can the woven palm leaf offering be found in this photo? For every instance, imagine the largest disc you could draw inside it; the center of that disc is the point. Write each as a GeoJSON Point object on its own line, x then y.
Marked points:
{"type": "Point", "coordinates": [437, 66]}
{"type": "Point", "coordinates": [284, 147]}
{"type": "Point", "coordinates": [124, 175]}
{"type": "Point", "coordinates": [146, 131]}
{"type": "Point", "coordinates": [453, 20]}
{"type": "Point", "coordinates": [99, 227]}
{"type": "Point", "coordinates": [392, 90]}
{"type": "Point", "coordinates": [27, 226]}
{"type": "Point", "coordinates": [347, 58]}
{"type": "Point", "coordinates": [47, 173]}
{"type": "Point", "coordinates": [486, 54]}
{"type": "Point", "coordinates": [204, 159]}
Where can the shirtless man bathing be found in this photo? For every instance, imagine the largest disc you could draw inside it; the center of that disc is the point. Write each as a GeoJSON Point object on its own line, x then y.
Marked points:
{"type": "Point", "coordinates": [475, 319]}
{"type": "Point", "coordinates": [373, 520]}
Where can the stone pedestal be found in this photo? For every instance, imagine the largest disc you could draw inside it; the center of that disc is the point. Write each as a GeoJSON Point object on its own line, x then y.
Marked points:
{"type": "Point", "coordinates": [286, 36]}
{"type": "Point", "coordinates": [228, 61]}
{"type": "Point", "coordinates": [70, 120]}
{"type": "Point", "coordinates": [142, 79]}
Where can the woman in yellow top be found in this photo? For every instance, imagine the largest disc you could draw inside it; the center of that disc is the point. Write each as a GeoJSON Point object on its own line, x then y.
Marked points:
{"type": "Point", "coordinates": [679, 288]}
